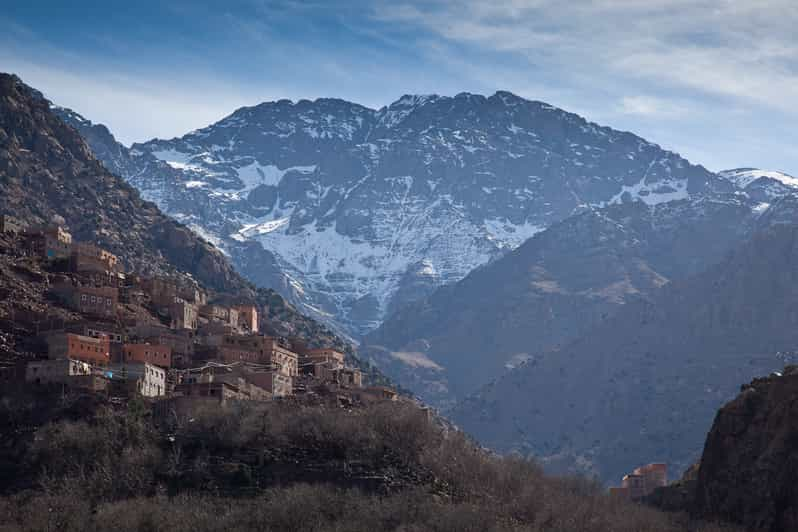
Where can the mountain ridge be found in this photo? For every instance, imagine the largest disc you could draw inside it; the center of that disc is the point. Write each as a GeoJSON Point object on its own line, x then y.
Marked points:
{"type": "Point", "coordinates": [348, 202]}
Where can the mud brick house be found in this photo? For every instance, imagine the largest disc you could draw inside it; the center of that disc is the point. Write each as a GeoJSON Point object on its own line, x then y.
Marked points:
{"type": "Point", "coordinates": [641, 482]}
{"type": "Point", "coordinates": [159, 355]}
{"type": "Point", "coordinates": [89, 300]}
{"type": "Point", "coordinates": [55, 371]}
{"type": "Point", "coordinates": [247, 318]}
{"type": "Point", "coordinates": [95, 351]}
{"type": "Point", "coordinates": [250, 384]}
{"type": "Point", "coordinates": [257, 349]}
{"type": "Point", "coordinates": [100, 330]}
{"type": "Point", "coordinates": [92, 259]}
{"type": "Point", "coordinates": [146, 379]}
{"type": "Point", "coordinates": [9, 224]}
{"type": "Point", "coordinates": [329, 357]}
{"type": "Point", "coordinates": [181, 342]}
{"type": "Point", "coordinates": [183, 315]}
{"type": "Point", "coordinates": [50, 242]}
{"type": "Point", "coordinates": [225, 315]}
{"type": "Point", "coordinates": [350, 377]}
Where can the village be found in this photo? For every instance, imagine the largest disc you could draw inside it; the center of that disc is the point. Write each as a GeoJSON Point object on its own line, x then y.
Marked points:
{"type": "Point", "coordinates": [162, 339]}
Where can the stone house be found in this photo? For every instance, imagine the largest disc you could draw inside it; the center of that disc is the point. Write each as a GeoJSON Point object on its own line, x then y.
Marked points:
{"type": "Point", "coordinates": [55, 371]}
{"type": "Point", "coordinates": [95, 351]}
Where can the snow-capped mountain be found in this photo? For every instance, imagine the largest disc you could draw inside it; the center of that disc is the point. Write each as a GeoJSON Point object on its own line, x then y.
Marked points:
{"type": "Point", "coordinates": [361, 210]}
{"type": "Point", "coordinates": [762, 185]}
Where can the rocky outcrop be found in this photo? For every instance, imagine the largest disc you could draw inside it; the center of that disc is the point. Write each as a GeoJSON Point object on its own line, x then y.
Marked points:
{"type": "Point", "coordinates": [749, 466]}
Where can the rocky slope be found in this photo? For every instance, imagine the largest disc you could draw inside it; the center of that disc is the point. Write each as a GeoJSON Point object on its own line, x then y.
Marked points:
{"type": "Point", "coordinates": [555, 288]}
{"type": "Point", "coordinates": [748, 468]}
{"type": "Point", "coordinates": [360, 211]}
{"type": "Point", "coordinates": [643, 386]}
{"type": "Point", "coordinates": [47, 170]}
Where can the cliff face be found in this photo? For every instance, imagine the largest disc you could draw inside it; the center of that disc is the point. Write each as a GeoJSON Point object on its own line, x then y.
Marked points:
{"type": "Point", "coordinates": [749, 467]}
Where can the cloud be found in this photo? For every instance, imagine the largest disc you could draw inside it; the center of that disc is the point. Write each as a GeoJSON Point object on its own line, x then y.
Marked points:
{"type": "Point", "coordinates": [736, 49]}
{"type": "Point", "coordinates": [650, 106]}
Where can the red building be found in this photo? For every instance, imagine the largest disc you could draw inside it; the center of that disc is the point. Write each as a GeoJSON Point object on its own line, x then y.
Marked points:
{"type": "Point", "coordinates": [158, 355]}
{"type": "Point", "coordinates": [78, 347]}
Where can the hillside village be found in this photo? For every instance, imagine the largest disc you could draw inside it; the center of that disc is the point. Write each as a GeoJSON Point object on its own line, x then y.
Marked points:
{"type": "Point", "coordinates": [163, 339]}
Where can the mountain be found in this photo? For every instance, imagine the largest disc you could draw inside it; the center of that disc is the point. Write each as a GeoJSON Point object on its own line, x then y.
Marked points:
{"type": "Point", "coordinates": [556, 287]}
{"type": "Point", "coordinates": [762, 185]}
{"type": "Point", "coordinates": [47, 170]}
{"type": "Point", "coordinates": [644, 385]}
{"type": "Point", "coordinates": [352, 212]}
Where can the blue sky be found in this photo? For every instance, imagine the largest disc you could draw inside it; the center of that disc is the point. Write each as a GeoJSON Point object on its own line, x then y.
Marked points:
{"type": "Point", "coordinates": [714, 80]}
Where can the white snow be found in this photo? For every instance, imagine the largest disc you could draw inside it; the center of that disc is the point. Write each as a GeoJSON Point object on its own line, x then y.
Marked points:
{"type": "Point", "coordinates": [509, 235]}
{"type": "Point", "coordinates": [743, 177]}
{"type": "Point", "coordinates": [652, 193]}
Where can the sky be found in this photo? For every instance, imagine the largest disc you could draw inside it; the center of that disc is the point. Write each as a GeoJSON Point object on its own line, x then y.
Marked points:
{"type": "Point", "coordinates": [716, 81]}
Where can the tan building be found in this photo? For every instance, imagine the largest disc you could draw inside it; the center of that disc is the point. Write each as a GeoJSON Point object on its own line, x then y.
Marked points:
{"type": "Point", "coordinates": [226, 315]}
{"type": "Point", "coordinates": [55, 371]}
{"type": "Point", "coordinates": [247, 318]}
{"type": "Point", "coordinates": [149, 380]}
{"type": "Point", "coordinates": [183, 314]}
{"type": "Point", "coordinates": [334, 359]}
{"type": "Point", "coordinates": [50, 242]}
{"type": "Point", "coordinates": [642, 482]}
{"type": "Point", "coordinates": [90, 258]}
{"type": "Point", "coordinates": [256, 349]}
{"type": "Point", "coordinates": [373, 394]}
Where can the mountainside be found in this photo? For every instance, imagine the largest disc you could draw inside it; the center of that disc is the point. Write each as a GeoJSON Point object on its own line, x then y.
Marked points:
{"type": "Point", "coordinates": [556, 287]}
{"type": "Point", "coordinates": [47, 170]}
{"type": "Point", "coordinates": [644, 385]}
{"type": "Point", "coordinates": [361, 211]}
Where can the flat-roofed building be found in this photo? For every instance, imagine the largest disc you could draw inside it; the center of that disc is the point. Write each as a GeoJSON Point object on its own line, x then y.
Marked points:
{"type": "Point", "coordinates": [50, 242]}
{"type": "Point", "coordinates": [96, 351]}
{"type": "Point", "coordinates": [98, 302]}
{"type": "Point", "coordinates": [148, 380]}
{"type": "Point", "coordinates": [247, 318]}
{"type": "Point", "coordinates": [55, 371]}
{"type": "Point", "coordinates": [159, 355]}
